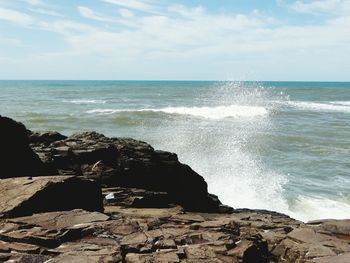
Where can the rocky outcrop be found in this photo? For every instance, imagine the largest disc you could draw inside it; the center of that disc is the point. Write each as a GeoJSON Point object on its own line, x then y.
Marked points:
{"type": "Point", "coordinates": [127, 234]}
{"type": "Point", "coordinates": [155, 209]}
{"type": "Point", "coordinates": [27, 195]}
{"type": "Point", "coordinates": [16, 156]}
{"type": "Point", "coordinates": [126, 162]}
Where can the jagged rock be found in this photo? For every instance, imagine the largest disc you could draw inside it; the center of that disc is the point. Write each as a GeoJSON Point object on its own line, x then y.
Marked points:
{"type": "Point", "coordinates": [144, 221]}
{"type": "Point", "coordinates": [45, 137]}
{"type": "Point", "coordinates": [129, 163]}
{"type": "Point", "coordinates": [133, 197]}
{"type": "Point", "coordinates": [169, 236]}
{"type": "Point", "coordinates": [16, 156]}
{"type": "Point", "coordinates": [25, 195]}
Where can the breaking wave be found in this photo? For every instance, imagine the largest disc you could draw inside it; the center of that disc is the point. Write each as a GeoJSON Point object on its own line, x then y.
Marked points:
{"type": "Point", "coordinates": [85, 101]}
{"type": "Point", "coordinates": [218, 112]}
{"type": "Point", "coordinates": [339, 106]}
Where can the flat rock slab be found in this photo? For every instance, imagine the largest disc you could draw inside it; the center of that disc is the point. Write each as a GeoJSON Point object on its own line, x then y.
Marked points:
{"type": "Point", "coordinates": [62, 219]}
{"type": "Point", "coordinates": [23, 196]}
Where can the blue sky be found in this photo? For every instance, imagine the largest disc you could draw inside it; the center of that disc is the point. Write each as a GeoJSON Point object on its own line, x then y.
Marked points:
{"type": "Point", "coordinates": [179, 40]}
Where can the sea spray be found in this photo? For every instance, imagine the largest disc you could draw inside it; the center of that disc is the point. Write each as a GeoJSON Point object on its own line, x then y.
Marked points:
{"type": "Point", "coordinates": [226, 151]}
{"type": "Point", "coordinates": [283, 148]}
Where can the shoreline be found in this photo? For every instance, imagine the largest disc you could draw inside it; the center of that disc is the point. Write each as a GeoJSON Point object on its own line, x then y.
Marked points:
{"type": "Point", "coordinates": [135, 204]}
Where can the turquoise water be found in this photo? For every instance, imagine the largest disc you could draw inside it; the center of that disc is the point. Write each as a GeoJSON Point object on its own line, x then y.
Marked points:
{"type": "Point", "coordinates": [281, 146]}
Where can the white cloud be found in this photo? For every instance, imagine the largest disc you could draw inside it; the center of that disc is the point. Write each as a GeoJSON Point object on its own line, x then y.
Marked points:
{"type": "Point", "coordinates": [322, 6]}
{"type": "Point", "coordinates": [65, 27]}
{"type": "Point", "coordinates": [15, 17]}
{"type": "Point", "coordinates": [45, 12]}
{"type": "Point", "coordinates": [10, 41]}
{"type": "Point", "coordinates": [35, 2]}
{"type": "Point", "coordinates": [89, 13]}
{"type": "Point", "coordinates": [133, 4]}
{"type": "Point", "coordinates": [126, 13]}
{"type": "Point", "coordinates": [182, 42]}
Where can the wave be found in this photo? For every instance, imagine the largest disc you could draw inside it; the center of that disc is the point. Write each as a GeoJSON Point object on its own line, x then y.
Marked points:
{"type": "Point", "coordinates": [344, 103]}
{"type": "Point", "coordinates": [82, 101]}
{"type": "Point", "coordinates": [343, 106]}
{"type": "Point", "coordinates": [310, 208]}
{"type": "Point", "coordinates": [218, 112]}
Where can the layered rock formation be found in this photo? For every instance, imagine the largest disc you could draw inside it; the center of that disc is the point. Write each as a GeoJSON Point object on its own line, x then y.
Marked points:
{"type": "Point", "coordinates": [96, 199]}
{"type": "Point", "coordinates": [27, 195]}
{"type": "Point", "coordinates": [127, 163]}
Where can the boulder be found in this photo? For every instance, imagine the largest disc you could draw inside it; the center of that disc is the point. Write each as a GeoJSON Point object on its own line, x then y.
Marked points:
{"type": "Point", "coordinates": [27, 195]}
{"type": "Point", "coordinates": [16, 156]}
{"type": "Point", "coordinates": [128, 163]}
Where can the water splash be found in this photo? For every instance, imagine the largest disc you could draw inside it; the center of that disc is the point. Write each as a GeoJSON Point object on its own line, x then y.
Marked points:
{"type": "Point", "coordinates": [226, 152]}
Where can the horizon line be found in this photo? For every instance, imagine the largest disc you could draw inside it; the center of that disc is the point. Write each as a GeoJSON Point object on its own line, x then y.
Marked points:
{"type": "Point", "coordinates": [177, 80]}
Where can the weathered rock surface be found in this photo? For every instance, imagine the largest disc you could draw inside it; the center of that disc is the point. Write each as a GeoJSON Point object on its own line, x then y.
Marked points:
{"type": "Point", "coordinates": [125, 162]}
{"type": "Point", "coordinates": [149, 198]}
{"type": "Point", "coordinates": [172, 235]}
{"type": "Point", "coordinates": [27, 195]}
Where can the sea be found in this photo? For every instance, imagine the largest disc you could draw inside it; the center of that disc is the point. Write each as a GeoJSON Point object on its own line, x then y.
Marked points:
{"type": "Point", "coordinates": [281, 146]}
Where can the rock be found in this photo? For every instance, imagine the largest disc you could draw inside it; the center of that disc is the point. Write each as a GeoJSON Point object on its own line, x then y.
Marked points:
{"type": "Point", "coordinates": [168, 236]}
{"type": "Point", "coordinates": [61, 220]}
{"type": "Point", "coordinates": [19, 248]}
{"type": "Point", "coordinates": [17, 158]}
{"type": "Point", "coordinates": [334, 227]}
{"type": "Point", "coordinates": [25, 195]}
{"type": "Point", "coordinates": [133, 197]}
{"type": "Point", "coordinates": [45, 137]}
{"type": "Point", "coordinates": [37, 233]}
{"type": "Point", "coordinates": [342, 258]}
{"type": "Point", "coordinates": [128, 163]}
{"type": "Point", "coordinates": [168, 256]}
{"type": "Point", "coordinates": [151, 204]}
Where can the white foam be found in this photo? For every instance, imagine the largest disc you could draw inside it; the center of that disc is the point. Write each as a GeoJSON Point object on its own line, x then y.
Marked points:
{"type": "Point", "coordinates": [344, 103]}
{"type": "Point", "coordinates": [104, 111]}
{"type": "Point", "coordinates": [318, 106]}
{"type": "Point", "coordinates": [82, 101]}
{"type": "Point", "coordinates": [218, 112]}
{"type": "Point", "coordinates": [312, 208]}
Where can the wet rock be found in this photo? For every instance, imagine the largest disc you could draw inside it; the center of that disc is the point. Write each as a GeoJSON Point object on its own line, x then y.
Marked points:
{"type": "Point", "coordinates": [22, 196]}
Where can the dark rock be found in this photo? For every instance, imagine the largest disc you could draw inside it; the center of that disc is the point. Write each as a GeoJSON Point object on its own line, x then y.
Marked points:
{"type": "Point", "coordinates": [44, 137]}
{"type": "Point", "coordinates": [133, 197]}
{"type": "Point", "coordinates": [25, 195]}
{"type": "Point", "coordinates": [16, 157]}
{"type": "Point", "coordinates": [129, 163]}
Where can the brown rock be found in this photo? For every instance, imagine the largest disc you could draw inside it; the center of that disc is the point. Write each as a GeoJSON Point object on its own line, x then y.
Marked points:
{"type": "Point", "coordinates": [342, 258]}
{"type": "Point", "coordinates": [62, 220]}
{"type": "Point", "coordinates": [24, 195]}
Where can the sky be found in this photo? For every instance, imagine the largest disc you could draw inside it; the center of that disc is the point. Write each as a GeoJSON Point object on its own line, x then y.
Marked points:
{"type": "Point", "coordinates": [305, 40]}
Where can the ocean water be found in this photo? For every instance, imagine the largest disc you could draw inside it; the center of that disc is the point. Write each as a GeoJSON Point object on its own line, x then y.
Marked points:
{"type": "Point", "coordinates": [282, 146]}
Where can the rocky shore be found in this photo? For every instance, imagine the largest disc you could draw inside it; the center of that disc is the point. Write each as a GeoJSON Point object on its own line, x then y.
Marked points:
{"type": "Point", "coordinates": [89, 198]}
